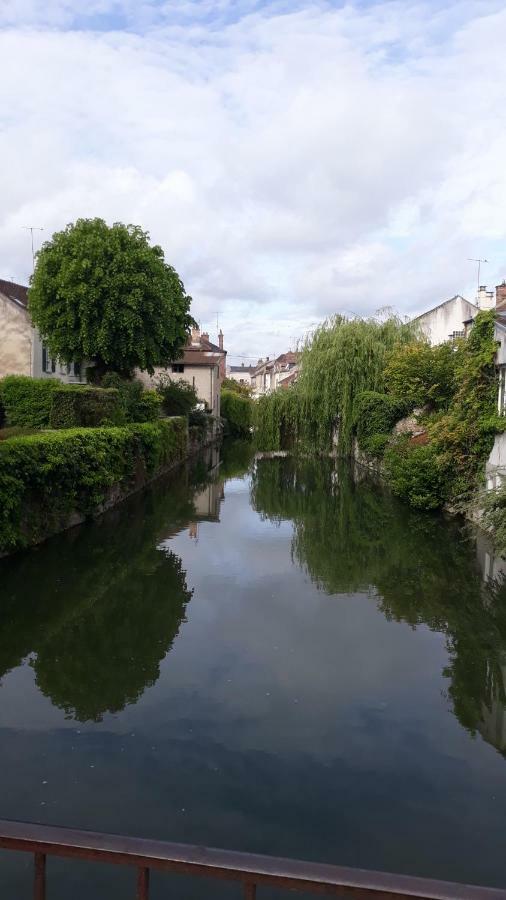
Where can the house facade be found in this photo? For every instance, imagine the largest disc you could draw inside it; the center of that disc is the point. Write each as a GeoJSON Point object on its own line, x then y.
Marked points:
{"type": "Point", "coordinates": [242, 374]}
{"type": "Point", "coordinates": [202, 364]}
{"type": "Point", "coordinates": [21, 349]}
{"type": "Point", "coordinates": [445, 322]}
{"type": "Point", "coordinates": [270, 374]}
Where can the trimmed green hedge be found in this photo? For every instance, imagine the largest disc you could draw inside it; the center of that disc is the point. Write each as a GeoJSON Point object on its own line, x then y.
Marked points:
{"type": "Point", "coordinates": [45, 478]}
{"type": "Point", "coordinates": [27, 401]}
{"type": "Point", "coordinates": [236, 410]}
{"type": "Point", "coordinates": [85, 407]}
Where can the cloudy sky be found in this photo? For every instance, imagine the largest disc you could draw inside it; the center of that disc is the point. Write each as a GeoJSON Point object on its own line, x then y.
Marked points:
{"type": "Point", "coordinates": [294, 158]}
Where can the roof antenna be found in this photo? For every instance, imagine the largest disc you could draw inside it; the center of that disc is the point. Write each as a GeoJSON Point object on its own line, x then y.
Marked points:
{"type": "Point", "coordinates": [31, 229]}
{"type": "Point", "coordinates": [479, 261]}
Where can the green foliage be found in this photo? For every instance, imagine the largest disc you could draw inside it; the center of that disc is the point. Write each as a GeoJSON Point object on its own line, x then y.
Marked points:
{"type": "Point", "coordinates": [416, 473]}
{"type": "Point", "coordinates": [103, 294]}
{"type": "Point", "coordinates": [375, 445]}
{"type": "Point", "coordinates": [198, 418]}
{"type": "Point", "coordinates": [236, 410]}
{"type": "Point", "coordinates": [137, 403]}
{"type": "Point", "coordinates": [27, 401]}
{"type": "Point", "coordinates": [47, 476]}
{"type": "Point", "coordinates": [178, 397]}
{"type": "Point", "coordinates": [148, 407]}
{"type": "Point", "coordinates": [375, 416]}
{"type": "Point", "coordinates": [276, 419]}
{"type": "Point", "coordinates": [421, 375]}
{"type": "Point", "coordinates": [343, 359]}
{"type": "Point", "coordinates": [494, 516]}
{"type": "Point", "coordinates": [230, 384]}
{"type": "Point", "coordinates": [464, 436]}
{"type": "Point", "coordinates": [85, 407]}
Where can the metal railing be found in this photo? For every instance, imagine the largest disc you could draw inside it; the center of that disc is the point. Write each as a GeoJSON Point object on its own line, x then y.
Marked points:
{"type": "Point", "coordinates": [249, 869]}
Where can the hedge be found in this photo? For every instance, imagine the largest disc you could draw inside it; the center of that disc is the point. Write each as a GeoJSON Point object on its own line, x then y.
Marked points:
{"type": "Point", "coordinates": [85, 407]}
{"type": "Point", "coordinates": [27, 401]}
{"type": "Point", "coordinates": [138, 404]}
{"type": "Point", "coordinates": [46, 478]}
{"type": "Point", "coordinates": [236, 410]}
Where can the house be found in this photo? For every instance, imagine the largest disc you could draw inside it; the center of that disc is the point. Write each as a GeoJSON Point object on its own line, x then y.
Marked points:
{"type": "Point", "coordinates": [21, 349]}
{"type": "Point", "coordinates": [445, 322]}
{"type": "Point", "coordinates": [202, 364]}
{"type": "Point", "coordinates": [242, 374]}
{"type": "Point", "coordinates": [270, 374]}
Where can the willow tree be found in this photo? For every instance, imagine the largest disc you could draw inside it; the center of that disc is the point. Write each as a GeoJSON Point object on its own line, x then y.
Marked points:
{"type": "Point", "coordinates": [343, 358]}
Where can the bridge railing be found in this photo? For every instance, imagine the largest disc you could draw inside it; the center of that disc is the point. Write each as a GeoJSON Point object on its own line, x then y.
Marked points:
{"type": "Point", "coordinates": [249, 870]}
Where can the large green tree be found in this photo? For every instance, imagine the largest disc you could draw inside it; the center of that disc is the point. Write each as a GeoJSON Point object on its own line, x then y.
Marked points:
{"type": "Point", "coordinates": [103, 293]}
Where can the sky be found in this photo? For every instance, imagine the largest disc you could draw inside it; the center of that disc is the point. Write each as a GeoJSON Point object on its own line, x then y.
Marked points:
{"type": "Point", "coordinates": [294, 158]}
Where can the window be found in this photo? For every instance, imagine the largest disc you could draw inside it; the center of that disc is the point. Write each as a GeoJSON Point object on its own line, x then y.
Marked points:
{"type": "Point", "coordinates": [178, 367]}
{"type": "Point", "coordinates": [502, 391]}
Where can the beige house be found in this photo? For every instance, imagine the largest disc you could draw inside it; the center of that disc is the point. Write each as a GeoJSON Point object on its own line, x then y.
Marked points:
{"type": "Point", "coordinates": [202, 364]}
{"type": "Point", "coordinates": [21, 349]}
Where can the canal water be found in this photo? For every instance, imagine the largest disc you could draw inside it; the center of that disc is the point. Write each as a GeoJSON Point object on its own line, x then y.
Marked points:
{"type": "Point", "coordinates": [268, 656]}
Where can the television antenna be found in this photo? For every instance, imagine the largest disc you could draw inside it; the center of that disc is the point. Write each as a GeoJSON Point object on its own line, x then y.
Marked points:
{"type": "Point", "coordinates": [479, 261]}
{"type": "Point", "coordinates": [31, 229]}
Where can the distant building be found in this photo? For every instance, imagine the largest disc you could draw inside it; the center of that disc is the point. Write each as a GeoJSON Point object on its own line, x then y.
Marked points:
{"type": "Point", "coordinates": [242, 374]}
{"type": "Point", "coordinates": [202, 364]}
{"type": "Point", "coordinates": [270, 374]}
{"type": "Point", "coordinates": [21, 349]}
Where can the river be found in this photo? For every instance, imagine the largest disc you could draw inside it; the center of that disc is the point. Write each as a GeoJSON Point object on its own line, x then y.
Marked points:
{"type": "Point", "coordinates": [268, 656]}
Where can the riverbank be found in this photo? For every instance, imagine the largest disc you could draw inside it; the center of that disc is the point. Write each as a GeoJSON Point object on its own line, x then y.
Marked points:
{"type": "Point", "coordinates": [54, 480]}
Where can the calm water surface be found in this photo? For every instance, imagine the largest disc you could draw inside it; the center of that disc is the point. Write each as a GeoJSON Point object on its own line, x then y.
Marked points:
{"type": "Point", "coordinates": [273, 656]}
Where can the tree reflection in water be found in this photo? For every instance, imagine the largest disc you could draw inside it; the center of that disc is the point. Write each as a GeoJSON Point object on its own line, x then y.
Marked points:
{"type": "Point", "coordinates": [351, 534]}
{"type": "Point", "coordinates": [97, 626]}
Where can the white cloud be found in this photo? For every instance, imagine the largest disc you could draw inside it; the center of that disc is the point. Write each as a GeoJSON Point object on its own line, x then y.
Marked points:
{"type": "Point", "coordinates": [293, 159]}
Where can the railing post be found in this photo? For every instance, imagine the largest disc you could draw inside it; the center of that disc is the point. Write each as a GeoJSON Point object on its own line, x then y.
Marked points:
{"type": "Point", "coordinates": [143, 884]}
{"type": "Point", "coordinates": [250, 891]}
{"type": "Point", "coordinates": [39, 879]}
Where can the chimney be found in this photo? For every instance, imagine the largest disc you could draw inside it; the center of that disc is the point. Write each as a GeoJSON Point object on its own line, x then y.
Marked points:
{"type": "Point", "coordinates": [220, 339]}
{"type": "Point", "coordinates": [196, 335]}
{"type": "Point", "coordinates": [205, 336]}
{"type": "Point", "coordinates": [485, 299]}
{"type": "Point", "coordinates": [500, 297]}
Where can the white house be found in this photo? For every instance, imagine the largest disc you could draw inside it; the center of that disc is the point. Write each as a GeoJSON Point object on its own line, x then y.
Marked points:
{"type": "Point", "coordinates": [242, 374]}
{"type": "Point", "coordinates": [202, 364]}
{"type": "Point", "coordinates": [445, 322]}
{"type": "Point", "coordinates": [21, 349]}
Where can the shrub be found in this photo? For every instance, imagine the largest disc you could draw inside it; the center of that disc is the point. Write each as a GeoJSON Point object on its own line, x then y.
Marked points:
{"type": "Point", "coordinates": [376, 415]}
{"type": "Point", "coordinates": [178, 397]}
{"type": "Point", "coordinates": [422, 374]}
{"type": "Point", "coordinates": [47, 476]}
{"type": "Point", "coordinates": [376, 444]}
{"type": "Point", "coordinates": [27, 401]}
{"type": "Point", "coordinates": [85, 407]}
{"type": "Point", "coordinates": [138, 404]}
{"type": "Point", "coordinates": [236, 410]}
{"type": "Point", "coordinates": [2, 412]}
{"type": "Point", "coordinates": [416, 474]}
{"type": "Point", "coordinates": [230, 384]}
{"type": "Point", "coordinates": [198, 418]}
{"type": "Point", "coordinates": [148, 407]}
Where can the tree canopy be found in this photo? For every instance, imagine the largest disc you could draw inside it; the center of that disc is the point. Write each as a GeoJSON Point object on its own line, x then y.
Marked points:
{"type": "Point", "coordinates": [103, 293]}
